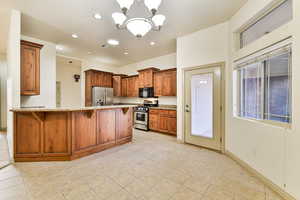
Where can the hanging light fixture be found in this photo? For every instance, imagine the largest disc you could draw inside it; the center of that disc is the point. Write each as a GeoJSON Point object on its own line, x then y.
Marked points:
{"type": "Point", "coordinates": [139, 27]}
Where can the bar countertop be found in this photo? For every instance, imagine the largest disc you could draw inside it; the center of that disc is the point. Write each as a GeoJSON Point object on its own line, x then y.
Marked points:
{"type": "Point", "coordinates": [68, 109]}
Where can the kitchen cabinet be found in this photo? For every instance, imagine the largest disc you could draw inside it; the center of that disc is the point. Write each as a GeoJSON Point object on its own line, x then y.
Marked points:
{"type": "Point", "coordinates": [30, 68]}
{"type": "Point", "coordinates": [84, 130]}
{"type": "Point", "coordinates": [119, 84]}
{"type": "Point", "coordinates": [94, 78]}
{"type": "Point", "coordinates": [146, 77]}
{"type": "Point", "coordinates": [164, 121]}
{"type": "Point", "coordinates": [106, 123]}
{"type": "Point", "coordinates": [66, 135]}
{"type": "Point", "coordinates": [124, 119]}
{"type": "Point", "coordinates": [132, 86]}
{"type": "Point", "coordinates": [124, 83]}
{"type": "Point", "coordinates": [165, 83]}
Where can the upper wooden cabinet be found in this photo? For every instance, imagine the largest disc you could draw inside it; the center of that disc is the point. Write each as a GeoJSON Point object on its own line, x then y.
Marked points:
{"type": "Point", "coordinates": [132, 86]}
{"type": "Point", "coordinates": [146, 77]}
{"type": "Point", "coordinates": [94, 78]}
{"type": "Point", "coordinates": [30, 68]}
{"type": "Point", "coordinates": [165, 83]}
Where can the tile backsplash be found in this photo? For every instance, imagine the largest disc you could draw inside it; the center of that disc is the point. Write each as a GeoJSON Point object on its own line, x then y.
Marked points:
{"type": "Point", "coordinates": [161, 100]}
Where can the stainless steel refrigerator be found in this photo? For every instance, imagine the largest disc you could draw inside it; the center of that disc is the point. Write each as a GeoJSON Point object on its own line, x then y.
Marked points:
{"type": "Point", "coordinates": [102, 96]}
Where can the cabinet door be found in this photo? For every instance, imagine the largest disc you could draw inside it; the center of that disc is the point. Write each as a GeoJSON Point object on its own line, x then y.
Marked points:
{"type": "Point", "coordinates": [124, 87]}
{"type": "Point", "coordinates": [172, 125]}
{"type": "Point", "coordinates": [158, 84]}
{"type": "Point", "coordinates": [106, 126]}
{"type": "Point", "coordinates": [28, 136]}
{"type": "Point", "coordinates": [30, 70]}
{"type": "Point", "coordinates": [124, 123]}
{"type": "Point", "coordinates": [141, 79]}
{"type": "Point", "coordinates": [163, 123]}
{"type": "Point", "coordinates": [84, 130]}
{"type": "Point", "coordinates": [117, 86]}
{"type": "Point", "coordinates": [108, 80]}
{"type": "Point", "coordinates": [148, 78]}
{"type": "Point", "coordinates": [154, 122]}
{"type": "Point", "coordinates": [57, 134]}
{"type": "Point", "coordinates": [136, 87]}
{"type": "Point", "coordinates": [169, 83]}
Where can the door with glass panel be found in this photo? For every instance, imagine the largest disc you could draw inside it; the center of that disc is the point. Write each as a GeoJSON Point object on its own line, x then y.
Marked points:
{"type": "Point", "coordinates": [203, 107]}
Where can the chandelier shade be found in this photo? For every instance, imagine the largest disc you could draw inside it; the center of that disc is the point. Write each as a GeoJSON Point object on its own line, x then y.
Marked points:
{"type": "Point", "coordinates": [152, 5]}
{"type": "Point", "coordinates": [139, 27]}
{"type": "Point", "coordinates": [158, 20]}
{"type": "Point", "coordinates": [119, 18]}
{"type": "Point", "coordinates": [125, 4]}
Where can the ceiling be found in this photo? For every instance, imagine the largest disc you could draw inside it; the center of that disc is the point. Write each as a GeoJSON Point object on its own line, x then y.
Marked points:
{"type": "Point", "coordinates": [57, 20]}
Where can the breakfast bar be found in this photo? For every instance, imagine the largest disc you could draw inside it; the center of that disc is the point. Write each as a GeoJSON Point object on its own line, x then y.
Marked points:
{"type": "Point", "coordinates": [59, 134]}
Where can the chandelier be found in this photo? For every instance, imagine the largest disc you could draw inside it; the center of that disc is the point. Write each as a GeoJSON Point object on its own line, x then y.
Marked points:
{"type": "Point", "coordinates": [139, 27]}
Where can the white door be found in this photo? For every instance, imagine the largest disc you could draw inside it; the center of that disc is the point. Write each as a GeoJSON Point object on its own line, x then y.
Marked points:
{"type": "Point", "coordinates": [203, 107]}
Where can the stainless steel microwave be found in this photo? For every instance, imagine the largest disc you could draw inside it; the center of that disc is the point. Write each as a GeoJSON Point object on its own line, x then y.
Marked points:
{"type": "Point", "coordinates": [146, 92]}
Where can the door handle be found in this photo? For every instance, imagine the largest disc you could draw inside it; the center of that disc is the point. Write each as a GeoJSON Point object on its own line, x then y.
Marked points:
{"type": "Point", "coordinates": [187, 110]}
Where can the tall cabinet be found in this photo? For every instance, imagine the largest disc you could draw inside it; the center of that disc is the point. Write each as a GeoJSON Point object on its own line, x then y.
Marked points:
{"type": "Point", "coordinates": [30, 68]}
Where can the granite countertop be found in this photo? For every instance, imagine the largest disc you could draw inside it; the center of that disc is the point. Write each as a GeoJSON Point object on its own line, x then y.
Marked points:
{"type": "Point", "coordinates": [68, 109]}
{"type": "Point", "coordinates": [165, 107]}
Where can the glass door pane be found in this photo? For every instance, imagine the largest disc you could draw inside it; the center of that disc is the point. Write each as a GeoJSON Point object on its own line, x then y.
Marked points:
{"type": "Point", "coordinates": [202, 105]}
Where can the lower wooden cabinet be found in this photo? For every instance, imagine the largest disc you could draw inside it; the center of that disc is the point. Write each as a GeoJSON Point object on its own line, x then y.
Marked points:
{"type": "Point", "coordinates": [163, 121]}
{"type": "Point", "coordinates": [106, 126]}
{"type": "Point", "coordinates": [124, 124]}
{"type": "Point", "coordinates": [84, 130]}
{"type": "Point", "coordinates": [49, 136]}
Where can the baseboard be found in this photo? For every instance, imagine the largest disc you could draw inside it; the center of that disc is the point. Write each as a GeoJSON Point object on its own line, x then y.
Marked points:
{"type": "Point", "coordinates": [261, 177]}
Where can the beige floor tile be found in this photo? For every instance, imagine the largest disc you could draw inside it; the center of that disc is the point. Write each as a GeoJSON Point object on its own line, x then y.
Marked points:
{"type": "Point", "coordinates": [152, 167]}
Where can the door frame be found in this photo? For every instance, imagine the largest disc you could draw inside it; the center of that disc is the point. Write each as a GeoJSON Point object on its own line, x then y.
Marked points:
{"type": "Point", "coordinates": [223, 108]}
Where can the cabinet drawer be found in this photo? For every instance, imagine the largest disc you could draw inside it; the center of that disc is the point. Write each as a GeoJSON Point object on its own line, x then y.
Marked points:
{"type": "Point", "coordinates": [153, 111]}
{"type": "Point", "coordinates": [164, 112]}
{"type": "Point", "coordinates": [172, 113]}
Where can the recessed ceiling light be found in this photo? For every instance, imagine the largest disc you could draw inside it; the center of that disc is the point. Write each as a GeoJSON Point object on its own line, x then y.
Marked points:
{"type": "Point", "coordinates": [97, 16]}
{"type": "Point", "coordinates": [126, 53]}
{"type": "Point", "coordinates": [152, 43]}
{"type": "Point", "coordinates": [74, 36]}
{"type": "Point", "coordinates": [59, 48]}
{"type": "Point", "coordinates": [89, 53]}
{"type": "Point", "coordinates": [113, 42]}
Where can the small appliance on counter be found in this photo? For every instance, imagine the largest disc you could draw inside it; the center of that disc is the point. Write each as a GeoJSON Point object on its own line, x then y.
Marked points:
{"type": "Point", "coordinates": [102, 96]}
{"type": "Point", "coordinates": [141, 114]}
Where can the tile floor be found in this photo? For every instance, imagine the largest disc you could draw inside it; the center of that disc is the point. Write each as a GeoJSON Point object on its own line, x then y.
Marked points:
{"type": "Point", "coordinates": [152, 167]}
{"type": "Point", "coordinates": [4, 156]}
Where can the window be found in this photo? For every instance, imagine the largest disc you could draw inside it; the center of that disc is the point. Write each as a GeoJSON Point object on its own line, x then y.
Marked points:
{"type": "Point", "coordinates": [264, 87]}
{"type": "Point", "coordinates": [273, 20]}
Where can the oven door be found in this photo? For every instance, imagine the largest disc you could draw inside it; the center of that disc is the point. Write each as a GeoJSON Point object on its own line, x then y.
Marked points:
{"type": "Point", "coordinates": [141, 118]}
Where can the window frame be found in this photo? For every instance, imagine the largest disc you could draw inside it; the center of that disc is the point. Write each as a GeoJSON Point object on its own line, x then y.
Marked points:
{"type": "Point", "coordinates": [277, 4]}
{"type": "Point", "coordinates": [238, 85]}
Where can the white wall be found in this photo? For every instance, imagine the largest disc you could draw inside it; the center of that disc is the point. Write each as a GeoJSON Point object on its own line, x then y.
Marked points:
{"type": "Point", "coordinates": [47, 95]}
{"type": "Point", "coordinates": [3, 96]}
{"type": "Point", "coordinates": [70, 89]}
{"type": "Point", "coordinates": [200, 48]}
{"type": "Point", "coordinates": [13, 72]}
{"type": "Point", "coordinates": [271, 150]}
{"type": "Point", "coordinates": [162, 62]}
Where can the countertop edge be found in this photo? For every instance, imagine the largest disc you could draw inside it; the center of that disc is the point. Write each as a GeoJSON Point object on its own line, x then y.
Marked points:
{"type": "Point", "coordinates": [62, 109]}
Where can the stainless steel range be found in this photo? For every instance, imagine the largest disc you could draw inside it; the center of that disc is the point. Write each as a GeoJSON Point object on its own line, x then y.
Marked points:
{"type": "Point", "coordinates": [141, 115]}
{"type": "Point", "coordinates": [141, 118]}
